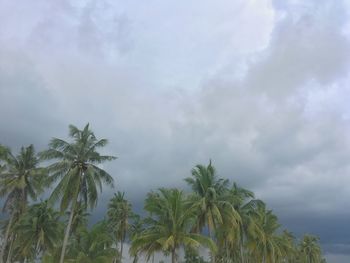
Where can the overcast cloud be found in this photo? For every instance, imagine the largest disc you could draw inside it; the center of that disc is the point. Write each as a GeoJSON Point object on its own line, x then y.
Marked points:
{"type": "Point", "coordinates": [260, 87]}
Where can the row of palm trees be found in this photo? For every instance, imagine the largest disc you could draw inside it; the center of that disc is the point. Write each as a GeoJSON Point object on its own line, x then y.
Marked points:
{"type": "Point", "coordinates": [217, 221]}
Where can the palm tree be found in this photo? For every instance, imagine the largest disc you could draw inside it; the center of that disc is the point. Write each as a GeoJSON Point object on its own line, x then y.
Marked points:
{"type": "Point", "coordinates": [232, 236]}
{"type": "Point", "coordinates": [207, 189]}
{"type": "Point", "coordinates": [119, 212]}
{"type": "Point", "coordinates": [20, 179]}
{"type": "Point", "coordinates": [289, 247]}
{"type": "Point", "coordinates": [213, 210]}
{"type": "Point", "coordinates": [94, 246]}
{"type": "Point", "coordinates": [78, 171]}
{"type": "Point", "coordinates": [310, 250]}
{"type": "Point", "coordinates": [242, 200]}
{"type": "Point", "coordinates": [172, 218]}
{"type": "Point", "coordinates": [137, 226]}
{"type": "Point", "coordinates": [39, 230]}
{"type": "Point", "coordinates": [263, 241]}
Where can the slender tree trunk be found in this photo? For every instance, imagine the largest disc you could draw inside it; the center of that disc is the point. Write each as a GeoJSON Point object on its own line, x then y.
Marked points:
{"type": "Point", "coordinates": [9, 255]}
{"type": "Point", "coordinates": [241, 251]}
{"type": "Point", "coordinates": [227, 252]}
{"type": "Point", "coordinates": [173, 256]}
{"type": "Point", "coordinates": [212, 254]}
{"type": "Point", "coordinates": [121, 250]}
{"type": "Point", "coordinates": [7, 233]}
{"type": "Point", "coordinates": [66, 235]}
{"type": "Point", "coordinates": [115, 260]}
{"type": "Point", "coordinates": [241, 245]}
{"type": "Point", "coordinates": [37, 250]}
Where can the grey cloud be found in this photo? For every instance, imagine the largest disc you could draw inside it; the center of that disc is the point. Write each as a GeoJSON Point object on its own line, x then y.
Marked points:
{"type": "Point", "coordinates": [101, 30]}
{"type": "Point", "coordinates": [281, 129]}
{"type": "Point", "coordinates": [60, 28]}
{"type": "Point", "coordinates": [27, 109]}
{"type": "Point", "coordinates": [304, 47]}
{"type": "Point", "coordinates": [337, 258]}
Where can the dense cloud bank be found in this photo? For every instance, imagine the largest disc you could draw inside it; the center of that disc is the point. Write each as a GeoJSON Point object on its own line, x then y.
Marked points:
{"type": "Point", "coordinates": [260, 87]}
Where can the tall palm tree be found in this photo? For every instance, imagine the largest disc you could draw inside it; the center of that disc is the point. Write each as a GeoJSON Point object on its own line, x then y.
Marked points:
{"type": "Point", "coordinates": [172, 218]}
{"type": "Point", "coordinates": [137, 226]}
{"type": "Point", "coordinates": [78, 171]}
{"type": "Point", "coordinates": [207, 188]}
{"type": "Point", "coordinates": [263, 241]}
{"type": "Point", "coordinates": [94, 246]}
{"type": "Point", "coordinates": [20, 179]}
{"type": "Point", "coordinates": [289, 247]}
{"type": "Point", "coordinates": [310, 249]}
{"type": "Point", "coordinates": [119, 212]}
{"type": "Point", "coordinates": [209, 197]}
{"type": "Point", "coordinates": [232, 236]}
{"type": "Point", "coordinates": [39, 230]}
{"type": "Point", "coordinates": [243, 202]}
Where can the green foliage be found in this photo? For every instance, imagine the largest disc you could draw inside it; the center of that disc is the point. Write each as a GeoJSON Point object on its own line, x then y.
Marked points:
{"type": "Point", "coordinates": [38, 231]}
{"type": "Point", "coordinates": [192, 256]}
{"type": "Point", "coordinates": [223, 218]}
{"type": "Point", "coordinates": [20, 179]}
{"type": "Point", "coordinates": [137, 226]}
{"type": "Point", "coordinates": [207, 189]}
{"type": "Point", "coordinates": [80, 218]}
{"type": "Point", "coordinates": [171, 219]}
{"type": "Point", "coordinates": [94, 245]}
{"type": "Point", "coordinates": [77, 169]}
{"type": "Point", "coordinates": [118, 214]}
{"type": "Point", "coordinates": [310, 251]}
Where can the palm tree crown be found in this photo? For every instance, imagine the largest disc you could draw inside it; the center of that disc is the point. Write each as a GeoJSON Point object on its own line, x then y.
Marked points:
{"type": "Point", "coordinates": [78, 171]}
{"type": "Point", "coordinates": [77, 167]}
{"type": "Point", "coordinates": [94, 245]}
{"type": "Point", "coordinates": [119, 212]}
{"type": "Point", "coordinates": [170, 225]}
{"type": "Point", "coordinates": [38, 231]}
{"type": "Point", "coordinates": [20, 178]}
{"type": "Point", "coordinates": [310, 249]}
{"type": "Point", "coordinates": [207, 188]}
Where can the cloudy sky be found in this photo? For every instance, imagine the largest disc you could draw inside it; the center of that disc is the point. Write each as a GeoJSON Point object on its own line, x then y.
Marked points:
{"type": "Point", "coordinates": [261, 87]}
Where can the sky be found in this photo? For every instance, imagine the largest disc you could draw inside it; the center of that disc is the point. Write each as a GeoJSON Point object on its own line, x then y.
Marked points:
{"type": "Point", "coordinates": [260, 87]}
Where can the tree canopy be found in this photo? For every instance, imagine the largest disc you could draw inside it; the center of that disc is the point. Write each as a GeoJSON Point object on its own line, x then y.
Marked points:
{"type": "Point", "coordinates": [47, 208]}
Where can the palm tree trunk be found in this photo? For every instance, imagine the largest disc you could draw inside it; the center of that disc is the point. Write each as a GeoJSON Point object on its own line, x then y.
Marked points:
{"type": "Point", "coordinates": [9, 255]}
{"type": "Point", "coordinates": [212, 254]}
{"type": "Point", "coordinates": [241, 252]}
{"type": "Point", "coordinates": [66, 235]}
{"type": "Point", "coordinates": [121, 250]}
{"type": "Point", "coordinates": [117, 256]}
{"type": "Point", "coordinates": [37, 248]}
{"type": "Point", "coordinates": [241, 245]}
{"type": "Point", "coordinates": [173, 256]}
{"type": "Point", "coordinates": [227, 252]}
{"type": "Point", "coordinates": [7, 233]}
